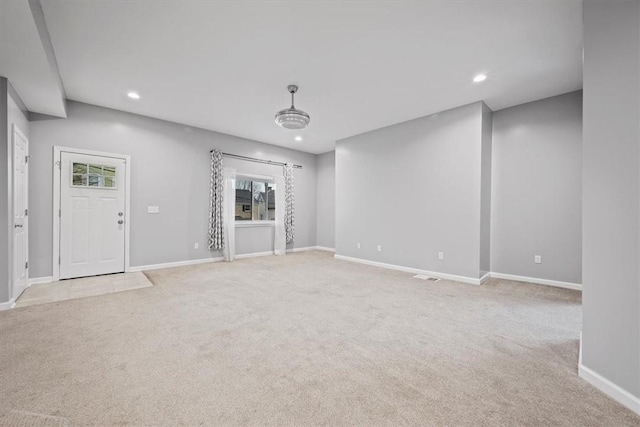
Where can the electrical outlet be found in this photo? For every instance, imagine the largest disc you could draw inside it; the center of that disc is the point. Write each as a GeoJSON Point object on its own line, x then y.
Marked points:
{"type": "Point", "coordinates": [440, 255]}
{"type": "Point", "coordinates": [537, 259]}
{"type": "Point", "coordinates": [153, 209]}
{"type": "Point", "coordinates": [358, 245]}
{"type": "Point", "coordinates": [196, 245]}
{"type": "Point", "coordinates": [379, 248]}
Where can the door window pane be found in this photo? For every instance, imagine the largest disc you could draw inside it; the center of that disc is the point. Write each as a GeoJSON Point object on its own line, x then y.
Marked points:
{"type": "Point", "coordinates": [109, 182]}
{"type": "Point", "coordinates": [109, 171]}
{"type": "Point", "coordinates": [79, 168]}
{"type": "Point", "coordinates": [79, 180]}
{"type": "Point", "coordinates": [95, 169]}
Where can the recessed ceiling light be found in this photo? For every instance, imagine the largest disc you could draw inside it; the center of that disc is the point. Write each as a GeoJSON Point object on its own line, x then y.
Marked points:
{"type": "Point", "coordinates": [298, 138]}
{"type": "Point", "coordinates": [133, 95]}
{"type": "Point", "coordinates": [480, 78]}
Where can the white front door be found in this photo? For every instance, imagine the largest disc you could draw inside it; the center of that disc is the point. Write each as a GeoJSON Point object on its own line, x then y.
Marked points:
{"type": "Point", "coordinates": [20, 206]}
{"type": "Point", "coordinates": [92, 215]}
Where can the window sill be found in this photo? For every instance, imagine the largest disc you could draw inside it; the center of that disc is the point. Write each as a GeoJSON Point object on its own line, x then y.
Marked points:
{"type": "Point", "coordinates": [246, 224]}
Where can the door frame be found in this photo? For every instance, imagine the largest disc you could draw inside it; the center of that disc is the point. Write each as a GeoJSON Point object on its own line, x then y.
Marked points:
{"type": "Point", "coordinates": [57, 153]}
{"type": "Point", "coordinates": [16, 130]}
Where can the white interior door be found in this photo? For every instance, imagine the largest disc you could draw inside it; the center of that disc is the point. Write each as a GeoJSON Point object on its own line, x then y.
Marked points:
{"type": "Point", "coordinates": [20, 206]}
{"type": "Point", "coordinates": [92, 215]}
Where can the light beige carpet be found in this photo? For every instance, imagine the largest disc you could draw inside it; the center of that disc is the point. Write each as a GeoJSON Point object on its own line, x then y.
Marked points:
{"type": "Point", "coordinates": [303, 340]}
{"type": "Point", "coordinates": [83, 287]}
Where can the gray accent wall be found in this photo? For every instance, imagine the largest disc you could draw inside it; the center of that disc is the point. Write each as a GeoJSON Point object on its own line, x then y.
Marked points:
{"type": "Point", "coordinates": [326, 217]}
{"type": "Point", "coordinates": [414, 189]}
{"type": "Point", "coordinates": [611, 192]}
{"type": "Point", "coordinates": [537, 189]}
{"type": "Point", "coordinates": [169, 169]}
{"type": "Point", "coordinates": [485, 189]}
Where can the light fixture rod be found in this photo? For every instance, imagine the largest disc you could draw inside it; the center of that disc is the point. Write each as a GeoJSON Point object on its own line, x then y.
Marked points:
{"type": "Point", "coordinates": [292, 90]}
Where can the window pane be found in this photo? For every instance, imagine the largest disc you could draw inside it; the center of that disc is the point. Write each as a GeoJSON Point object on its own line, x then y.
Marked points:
{"type": "Point", "coordinates": [109, 181]}
{"type": "Point", "coordinates": [271, 202]}
{"type": "Point", "coordinates": [259, 201]}
{"type": "Point", "coordinates": [95, 169]}
{"type": "Point", "coordinates": [95, 180]}
{"type": "Point", "coordinates": [79, 168]}
{"type": "Point", "coordinates": [243, 200]}
{"type": "Point", "coordinates": [80, 180]}
{"type": "Point", "coordinates": [109, 171]}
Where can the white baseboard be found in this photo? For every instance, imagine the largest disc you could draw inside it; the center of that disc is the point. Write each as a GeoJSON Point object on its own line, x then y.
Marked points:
{"type": "Point", "coordinates": [555, 283]}
{"type": "Point", "coordinates": [612, 390]}
{"type": "Point", "coordinates": [580, 351]}
{"type": "Point", "coordinates": [311, 248]}
{"type": "Point", "coordinates": [175, 264]}
{"type": "Point", "coordinates": [484, 278]}
{"type": "Point", "coordinates": [38, 280]}
{"type": "Point", "coordinates": [254, 255]}
{"type": "Point", "coordinates": [207, 260]}
{"type": "Point", "coordinates": [8, 305]}
{"type": "Point", "coordinates": [463, 279]}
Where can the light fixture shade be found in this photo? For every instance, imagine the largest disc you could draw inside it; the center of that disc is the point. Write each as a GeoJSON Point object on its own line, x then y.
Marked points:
{"type": "Point", "coordinates": [292, 118]}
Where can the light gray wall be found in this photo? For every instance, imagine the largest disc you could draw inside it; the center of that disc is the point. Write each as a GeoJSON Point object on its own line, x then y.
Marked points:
{"type": "Point", "coordinates": [326, 169]}
{"type": "Point", "coordinates": [170, 169]}
{"type": "Point", "coordinates": [537, 189]}
{"type": "Point", "coordinates": [414, 188]}
{"type": "Point", "coordinates": [611, 192]}
{"type": "Point", "coordinates": [253, 240]}
{"type": "Point", "coordinates": [485, 189]}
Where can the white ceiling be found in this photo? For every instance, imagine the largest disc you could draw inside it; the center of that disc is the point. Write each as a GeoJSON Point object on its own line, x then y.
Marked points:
{"type": "Point", "coordinates": [360, 66]}
{"type": "Point", "coordinates": [24, 60]}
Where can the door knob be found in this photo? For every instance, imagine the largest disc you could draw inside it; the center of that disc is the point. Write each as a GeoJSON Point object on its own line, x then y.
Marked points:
{"type": "Point", "coordinates": [17, 226]}
{"type": "Point", "coordinates": [120, 222]}
{"type": "Point", "coordinates": [120, 214]}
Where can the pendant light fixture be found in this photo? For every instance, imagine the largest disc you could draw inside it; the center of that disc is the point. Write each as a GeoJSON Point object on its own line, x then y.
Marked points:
{"type": "Point", "coordinates": [292, 118]}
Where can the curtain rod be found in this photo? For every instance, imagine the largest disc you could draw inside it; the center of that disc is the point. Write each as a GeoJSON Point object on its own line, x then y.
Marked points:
{"type": "Point", "coordinates": [253, 159]}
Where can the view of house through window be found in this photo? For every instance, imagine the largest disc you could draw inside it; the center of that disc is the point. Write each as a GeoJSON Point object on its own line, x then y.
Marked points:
{"type": "Point", "coordinates": [255, 200]}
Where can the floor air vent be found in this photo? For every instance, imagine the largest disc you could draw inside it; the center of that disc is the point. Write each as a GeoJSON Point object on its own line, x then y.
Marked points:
{"type": "Point", "coordinates": [429, 278]}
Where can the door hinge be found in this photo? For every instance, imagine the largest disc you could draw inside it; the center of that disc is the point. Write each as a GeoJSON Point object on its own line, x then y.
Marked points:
{"type": "Point", "coordinates": [59, 212]}
{"type": "Point", "coordinates": [26, 212]}
{"type": "Point", "coordinates": [26, 265]}
{"type": "Point", "coordinates": [59, 260]}
{"type": "Point", "coordinates": [26, 159]}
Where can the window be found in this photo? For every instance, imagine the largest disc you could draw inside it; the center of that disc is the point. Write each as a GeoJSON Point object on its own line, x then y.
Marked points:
{"type": "Point", "coordinates": [96, 176]}
{"type": "Point", "coordinates": [255, 200]}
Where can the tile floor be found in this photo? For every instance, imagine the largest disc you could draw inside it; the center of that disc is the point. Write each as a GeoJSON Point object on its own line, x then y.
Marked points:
{"type": "Point", "coordinates": [80, 288]}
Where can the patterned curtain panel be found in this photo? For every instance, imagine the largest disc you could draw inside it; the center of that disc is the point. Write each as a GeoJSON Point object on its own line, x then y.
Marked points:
{"type": "Point", "coordinates": [289, 201]}
{"type": "Point", "coordinates": [216, 202]}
